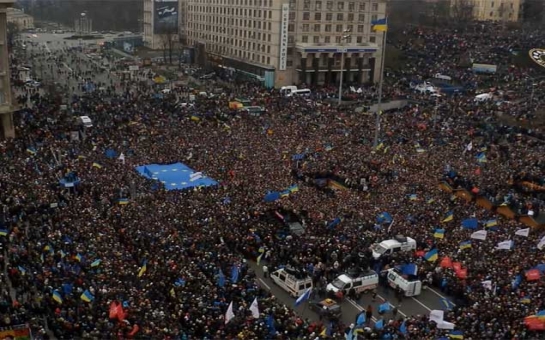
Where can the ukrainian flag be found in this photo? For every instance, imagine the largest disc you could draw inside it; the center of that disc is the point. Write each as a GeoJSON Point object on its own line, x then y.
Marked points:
{"type": "Point", "coordinates": [491, 223]}
{"type": "Point", "coordinates": [430, 201]}
{"type": "Point", "coordinates": [413, 197]}
{"type": "Point", "coordinates": [87, 296]}
{"type": "Point", "coordinates": [380, 25]}
{"type": "Point", "coordinates": [380, 146]}
{"type": "Point", "coordinates": [143, 269]}
{"type": "Point", "coordinates": [456, 335]}
{"type": "Point", "coordinates": [63, 254]}
{"type": "Point", "coordinates": [293, 188]}
{"type": "Point", "coordinates": [525, 300]}
{"type": "Point", "coordinates": [172, 292]}
{"type": "Point", "coordinates": [31, 151]}
{"type": "Point", "coordinates": [57, 297]}
{"type": "Point", "coordinates": [449, 217]}
{"type": "Point", "coordinates": [96, 165]}
{"type": "Point", "coordinates": [439, 233]}
{"type": "Point", "coordinates": [79, 257]}
{"type": "Point", "coordinates": [195, 118]}
{"type": "Point", "coordinates": [465, 245]}
{"type": "Point", "coordinates": [123, 201]}
{"type": "Point", "coordinates": [21, 270]}
{"type": "Point", "coordinates": [96, 263]}
{"type": "Point", "coordinates": [431, 255]}
{"type": "Point", "coordinates": [3, 232]}
{"type": "Point", "coordinates": [285, 193]}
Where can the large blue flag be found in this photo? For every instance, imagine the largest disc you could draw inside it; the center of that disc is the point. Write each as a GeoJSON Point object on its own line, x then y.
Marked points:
{"type": "Point", "coordinates": [234, 274]}
{"type": "Point", "coordinates": [221, 279]}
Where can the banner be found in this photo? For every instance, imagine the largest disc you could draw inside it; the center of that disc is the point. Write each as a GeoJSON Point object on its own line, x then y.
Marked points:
{"type": "Point", "coordinates": [18, 332]}
{"type": "Point", "coordinates": [165, 16]}
{"type": "Point", "coordinates": [538, 56]}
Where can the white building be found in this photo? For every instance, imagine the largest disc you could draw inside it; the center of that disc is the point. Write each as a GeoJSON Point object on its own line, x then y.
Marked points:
{"type": "Point", "coordinates": [288, 41]}
{"type": "Point", "coordinates": [160, 23]}
{"type": "Point", "coordinates": [6, 108]}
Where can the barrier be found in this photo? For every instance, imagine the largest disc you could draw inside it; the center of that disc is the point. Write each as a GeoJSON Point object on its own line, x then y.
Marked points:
{"type": "Point", "coordinates": [444, 186]}
{"type": "Point", "coordinates": [463, 193]}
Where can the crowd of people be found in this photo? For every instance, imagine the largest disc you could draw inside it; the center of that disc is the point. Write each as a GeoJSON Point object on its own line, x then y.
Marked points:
{"type": "Point", "coordinates": [117, 255]}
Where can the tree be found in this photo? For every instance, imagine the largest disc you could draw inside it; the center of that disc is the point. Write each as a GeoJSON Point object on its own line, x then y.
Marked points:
{"type": "Point", "coordinates": [533, 12]}
{"type": "Point", "coordinates": [169, 37]}
{"type": "Point", "coordinates": [462, 11]}
{"type": "Point", "coordinates": [12, 34]}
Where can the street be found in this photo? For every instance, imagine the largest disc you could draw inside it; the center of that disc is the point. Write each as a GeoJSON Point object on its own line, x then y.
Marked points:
{"type": "Point", "coordinates": [427, 301]}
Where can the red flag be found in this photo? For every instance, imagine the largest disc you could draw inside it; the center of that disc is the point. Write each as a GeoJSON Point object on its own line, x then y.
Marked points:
{"type": "Point", "coordinates": [457, 266]}
{"type": "Point", "coordinates": [462, 273]}
{"type": "Point", "coordinates": [446, 262]}
{"type": "Point", "coordinates": [533, 275]}
{"type": "Point", "coordinates": [113, 309]}
{"type": "Point", "coordinates": [134, 330]}
{"type": "Point", "coordinates": [121, 315]}
{"type": "Point", "coordinates": [534, 323]}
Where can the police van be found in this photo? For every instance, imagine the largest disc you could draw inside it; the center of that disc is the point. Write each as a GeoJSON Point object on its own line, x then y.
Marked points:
{"type": "Point", "coordinates": [388, 247]}
{"type": "Point", "coordinates": [292, 281]}
{"type": "Point", "coordinates": [410, 287]}
{"type": "Point", "coordinates": [362, 283]}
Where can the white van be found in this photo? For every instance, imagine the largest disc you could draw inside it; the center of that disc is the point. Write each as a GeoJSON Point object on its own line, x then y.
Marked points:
{"type": "Point", "coordinates": [362, 283]}
{"type": "Point", "coordinates": [302, 93]}
{"type": "Point", "coordinates": [291, 281]}
{"type": "Point", "coordinates": [388, 247]}
{"type": "Point", "coordinates": [85, 121]}
{"type": "Point", "coordinates": [409, 287]}
{"type": "Point", "coordinates": [287, 90]}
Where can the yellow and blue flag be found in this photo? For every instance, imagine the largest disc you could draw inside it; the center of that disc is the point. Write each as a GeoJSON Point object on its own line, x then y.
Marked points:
{"type": "Point", "coordinates": [380, 25]}
{"type": "Point", "coordinates": [4, 232]}
{"type": "Point", "coordinates": [261, 253]}
{"type": "Point", "coordinates": [439, 233]}
{"type": "Point", "coordinates": [143, 269]}
{"type": "Point", "coordinates": [456, 335]}
{"type": "Point", "coordinates": [449, 217]}
{"type": "Point", "coordinates": [87, 296]}
{"type": "Point", "coordinates": [525, 300]}
{"type": "Point", "coordinates": [63, 254]}
{"type": "Point", "coordinates": [413, 197]}
{"type": "Point", "coordinates": [432, 255]}
{"type": "Point", "coordinates": [195, 118]}
{"type": "Point", "coordinates": [123, 201]}
{"type": "Point", "coordinates": [57, 297]}
{"type": "Point", "coordinates": [31, 150]}
{"type": "Point", "coordinates": [430, 201]}
{"type": "Point", "coordinates": [21, 270]}
{"type": "Point", "coordinates": [294, 188]}
{"type": "Point", "coordinates": [97, 165]}
{"type": "Point", "coordinates": [79, 257]}
{"type": "Point", "coordinates": [96, 263]}
{"type": "Point", "coordinates": [491, 223]}
{"type": "Point", "coordinates": [465, 245]}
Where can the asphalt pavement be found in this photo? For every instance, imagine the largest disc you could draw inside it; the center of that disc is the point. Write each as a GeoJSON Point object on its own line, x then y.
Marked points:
{"type": "Point", "coordinates": [428, 300]}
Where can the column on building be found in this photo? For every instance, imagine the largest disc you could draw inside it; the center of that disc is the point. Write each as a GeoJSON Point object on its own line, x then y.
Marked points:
{"type": "Point", "coordinates": [303, 73]}
{"type": "Point", "coordinates": [7, 125]}
{"type": "Point", "coordinates": [330, 63]}
{"type": "Point", "coordinates": [359, 65]}
{"type": "Point", "coordinates": [316, 68]}
{"type": "Point", "coordinates": [347, 67]}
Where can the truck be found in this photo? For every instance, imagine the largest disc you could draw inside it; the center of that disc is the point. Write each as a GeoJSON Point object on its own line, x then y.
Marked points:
{"type": "Point", "coordinates": [388, 247]}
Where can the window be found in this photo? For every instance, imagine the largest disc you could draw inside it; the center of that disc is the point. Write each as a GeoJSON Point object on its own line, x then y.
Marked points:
{"type": "Point", "coordinates": [492, 4]}
{"type": "Point", "coordinates": [361, 17]}
{"type": "Point", "coordinates": [373, 39]}
{"type": "Point", "coordinates": [373, 17]}
{"type": "Point", "coordinates": [491, 13]}
{"type": "Point", "coordinates": [329, 5]}
{"type": "Point", "coordinates": [327, 39]}
{"type": "Point", "coordinates": [350, 16]}
{"type": "Point", "coordinates": [291, 27]}
{"type": "Point", "coordinates": [317, 16]}
{"type": "Point", "coordinates": [360, 28]}
{"type": "Point", "coordinates": [340, 6]}
{"type": "Point", "coordinates": [338, 28]}
{"type": "Point", "coordinates": [350, 28]}
{"type": "Point", "coordinates": [317, 27]}
{"type": "Point", "coordinates": [306, 5]}
{"type": "Point", "coordinates": [362, 6]}
{"type": "Point", "coordinates": [328, 28]}
{"type": "Point", "coordinates": [289, 63]}
{"type": "Point", "coordinates": [305, 27]}
{"type": "Point", "coordinates": [292, 16]}
{"type": "Point", "coordinates": [318, 5]}
{"type": "Point", "coordinates": [329, 16]}
{"type": "Point", "coordinates": [351, 6]}
{"type": "Point", "coordinates": [316, 39]}
{"type": "Point", "coordinates": [304, 39]}
{"type": "Point", "coordinates": [306, 15]}
{"type": "Point", "coordinates": [374, 7]}
{"type": "Point", "coordinates": [338, 39]}
{"type": "Point", "coordinates": [339, 17]}
{"type": "Point", "coordinates": [359, 40]}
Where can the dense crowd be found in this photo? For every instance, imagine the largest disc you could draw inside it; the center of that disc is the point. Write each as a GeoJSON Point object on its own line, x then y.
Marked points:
{"type": "Point", "coordinates": [153, 268]}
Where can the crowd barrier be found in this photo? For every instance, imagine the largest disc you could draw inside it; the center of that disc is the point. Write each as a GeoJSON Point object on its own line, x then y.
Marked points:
{"type": "Point", "coordinates": [483, 202]}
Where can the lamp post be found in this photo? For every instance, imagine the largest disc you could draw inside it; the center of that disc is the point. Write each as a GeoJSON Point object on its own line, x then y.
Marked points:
{"type": "Point", "coordinates": [343, 51]}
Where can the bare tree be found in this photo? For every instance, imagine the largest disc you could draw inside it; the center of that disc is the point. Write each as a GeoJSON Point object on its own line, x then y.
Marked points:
{"type": "Point", "coordinates": [169, 38]}
{"type": "Point", "coordinates": [462, 11]}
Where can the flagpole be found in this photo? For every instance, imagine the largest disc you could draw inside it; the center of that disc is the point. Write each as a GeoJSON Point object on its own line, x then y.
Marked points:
{"type": "Point", "coordinates": [380, 83]}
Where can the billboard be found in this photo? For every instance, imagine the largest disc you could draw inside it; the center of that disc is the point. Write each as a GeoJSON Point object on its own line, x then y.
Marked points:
{"type": "Point", "coordinates": [283, 57]}
{"type": "Point", "coordinates": [165, 18]}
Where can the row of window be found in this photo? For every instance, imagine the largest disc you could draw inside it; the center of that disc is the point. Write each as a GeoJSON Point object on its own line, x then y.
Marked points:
{"type": "Point", "coordinates": [200, 30]}
{"type": "Point", "coordinates": [220, 23]}
{"type": "Point", "coordinates": [256, 13]}
{"type": "Point", "coordinates": [241, 54]}
{"type": "Point", "coordinates": [330, 6]}
{"type": "Point", "coordinates": [329, 16]}
{"type": "Point", "coordinates": [339, 28]}
{"type": "Point", "coordinates": [256, 3]}
{"type": "Point", "coordinates": [338, 39]}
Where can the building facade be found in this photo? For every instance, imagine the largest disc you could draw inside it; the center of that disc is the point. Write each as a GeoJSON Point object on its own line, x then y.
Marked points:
{"type": "Point", "coordinates": [22, 20]}
{"type": "Point", "coordinates": [284, 42]}
{"type": "Point", "coordinates": [6, 109]}
{"type": "Point", "coordinates": [83, 25]}
{"type": "Point", "coordinates": [161, 26]}
{"type": "Point", "coordinates": [492, 10]}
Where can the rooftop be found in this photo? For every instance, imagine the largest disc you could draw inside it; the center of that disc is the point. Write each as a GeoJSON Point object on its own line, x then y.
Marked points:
{"type": "Point", "coordinates": [7, 2]}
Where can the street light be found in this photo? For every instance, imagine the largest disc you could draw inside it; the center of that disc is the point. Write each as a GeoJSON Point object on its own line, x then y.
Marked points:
{"type": "Point", "coordinates": [342, 50]}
